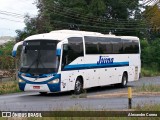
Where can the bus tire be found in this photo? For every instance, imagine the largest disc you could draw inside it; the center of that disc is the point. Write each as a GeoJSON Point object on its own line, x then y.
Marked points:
{"type": "Point", "coordinates": [124, 80]}
{"type": "Point", "coordinates": [43, 93]}
{"type": "Point", "coordinates": [78, 86]}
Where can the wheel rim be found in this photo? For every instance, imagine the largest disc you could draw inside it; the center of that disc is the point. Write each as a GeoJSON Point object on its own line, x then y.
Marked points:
{"type": "Point", "coordinates": [78, 86]}
{"type": "Point", "coordinates": [124, 80]}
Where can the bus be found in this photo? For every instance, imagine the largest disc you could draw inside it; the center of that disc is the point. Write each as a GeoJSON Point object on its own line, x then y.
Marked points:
{"type": "Point", "coordinates": [70, 60]}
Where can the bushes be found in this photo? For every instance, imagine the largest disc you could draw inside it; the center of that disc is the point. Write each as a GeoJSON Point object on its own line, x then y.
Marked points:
{"type": "Point", "coordinates": [6, 60]}
{"type": "Point", "coordinates": [150, 54]}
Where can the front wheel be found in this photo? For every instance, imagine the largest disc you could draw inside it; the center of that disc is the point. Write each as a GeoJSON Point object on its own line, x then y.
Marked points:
{"type": "Point", "coordinates": [78, 86]}
{"type": "Point", "coordinates": [124, 80]}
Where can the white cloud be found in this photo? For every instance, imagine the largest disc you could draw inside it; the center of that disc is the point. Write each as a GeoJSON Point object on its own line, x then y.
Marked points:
{"type": "Point", "coordinates": [7, 28]}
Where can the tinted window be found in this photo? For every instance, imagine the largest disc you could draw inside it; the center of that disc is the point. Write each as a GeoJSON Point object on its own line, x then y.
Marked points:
{"type": "Point", "coordinates": [105, 45]}
{"type": "Point", "coordinates": [135, 46]}
{"type": "Point", "coordinates": [110, 45]}
{"type": "Point", "coordinates": [117, 45]}
{"type": "Point", "coordinates": [74, 50]}
{"type": "Point", "coordinates": [91, 44]}
{"type": "Point", "coordinates": [127, 46]}
{"type": "Point", "coordinates": [130, 46]}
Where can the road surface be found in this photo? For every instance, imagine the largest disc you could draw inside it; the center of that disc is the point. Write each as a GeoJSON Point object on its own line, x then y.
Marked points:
{"type": "Point", "coordinates": [29, 101]}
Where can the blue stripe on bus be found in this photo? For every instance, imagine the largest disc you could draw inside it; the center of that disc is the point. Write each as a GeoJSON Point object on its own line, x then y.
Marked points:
{"type": "Point", "coordinates": [92, 66]}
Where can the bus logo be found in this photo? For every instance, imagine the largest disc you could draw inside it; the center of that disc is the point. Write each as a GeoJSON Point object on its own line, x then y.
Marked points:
{"type": "Point", "coordinates": [105, 60]}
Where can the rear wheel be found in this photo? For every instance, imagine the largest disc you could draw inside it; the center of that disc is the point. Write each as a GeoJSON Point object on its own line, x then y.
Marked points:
{"type": "Point", "coordinates": [124, 80]}
{"type": "Point", "coordinates": [78, 86]}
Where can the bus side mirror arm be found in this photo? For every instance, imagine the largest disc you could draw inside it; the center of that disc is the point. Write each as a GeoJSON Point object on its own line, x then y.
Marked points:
{"type": "Point", "coordinates": [14, 51]}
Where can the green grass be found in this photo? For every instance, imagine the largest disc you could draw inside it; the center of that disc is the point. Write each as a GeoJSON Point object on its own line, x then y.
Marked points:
{"type": "Point", "coordinates": [146, 107]}
{"type": "Point", "coordinates": [149, 72]}
{"type": "Point", "coordinates": [9, 87]}
{"type": "Point", "coordinates": [148, 88]}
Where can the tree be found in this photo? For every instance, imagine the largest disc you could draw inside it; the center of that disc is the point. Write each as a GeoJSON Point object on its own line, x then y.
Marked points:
{"type": "Point", "coordinates": [30, 29]}
{"type": "Point", "coordinates": [152, 16]}
{"type": "Point", "coordinates": [89, 15]}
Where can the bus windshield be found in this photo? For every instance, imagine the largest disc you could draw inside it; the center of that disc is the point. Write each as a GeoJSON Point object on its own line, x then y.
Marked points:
{"type": "Point", "coordinates": [39, 57]}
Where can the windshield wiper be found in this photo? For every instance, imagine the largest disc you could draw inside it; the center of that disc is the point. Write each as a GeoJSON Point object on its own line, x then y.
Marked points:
{"type": "Point", "coordinates": [36, 60]}
{"type": "Point", "coordinates": [31, 65]}
{"type": "Point", "coordinates": [39, 59]}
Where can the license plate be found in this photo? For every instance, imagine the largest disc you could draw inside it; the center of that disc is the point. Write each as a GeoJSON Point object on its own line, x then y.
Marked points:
{"type": "Point", "coordinates": [36, 87]}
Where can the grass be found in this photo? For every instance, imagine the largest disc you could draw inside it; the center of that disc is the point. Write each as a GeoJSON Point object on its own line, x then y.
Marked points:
{"type": "Point", "coordinates": [149, 72]}
{"type": "Point", "coordinates": [146, 107]}
{"type": "Point", "coordinates": [9, 87]}
{"type": "Point", "coordinates": [148, 88]}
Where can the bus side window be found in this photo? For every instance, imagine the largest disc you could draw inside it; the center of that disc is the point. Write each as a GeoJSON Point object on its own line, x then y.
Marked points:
{"type": "Point", "coordinates": [75, 48]}
{"type": "Point", "coordinates": [72, 50]}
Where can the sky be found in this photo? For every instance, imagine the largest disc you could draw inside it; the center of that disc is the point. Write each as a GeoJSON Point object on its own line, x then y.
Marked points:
{"type": "Point", "coordinates": [12, 14]}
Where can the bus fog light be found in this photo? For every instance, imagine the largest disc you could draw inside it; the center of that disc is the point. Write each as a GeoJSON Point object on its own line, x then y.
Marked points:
{"type": "Point", "coordinates": [54, 81]}
{"type": "Point", "coordinates": [20, 80]}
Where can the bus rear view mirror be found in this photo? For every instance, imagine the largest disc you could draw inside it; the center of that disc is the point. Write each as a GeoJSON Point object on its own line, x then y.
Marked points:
{"type": "Point", "coordinates": [14, 51]}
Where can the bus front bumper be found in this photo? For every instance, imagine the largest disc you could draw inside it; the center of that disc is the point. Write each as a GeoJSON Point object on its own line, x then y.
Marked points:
{"type": "Point", "coordinates": [39, 87]}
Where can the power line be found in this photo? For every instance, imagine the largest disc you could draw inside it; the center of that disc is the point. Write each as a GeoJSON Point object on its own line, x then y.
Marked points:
{"type": "Point", "coordinates": [112, 23]}
{"type": "Point", "coordinates": [100, 27]}
{"type": "Point", "coordinates": [6, 29]}
{"type": "Point", "coordinates": [15, 16]}
{"type": "Point", "coordinates": [11, 20]}
{"type": "Point", "coordinates": [149, 2]}
{"type": "Point", "coordinates": [71, 16]}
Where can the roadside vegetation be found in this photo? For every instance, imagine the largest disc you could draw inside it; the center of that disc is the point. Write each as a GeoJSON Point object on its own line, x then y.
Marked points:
{"type": "Point", "coordinates": [150, 57]}
{"type": "Point", "coordinates": [149, 72]}
{"type": "Point", "coordinates": [148, 88]}
{"type": "Point", "coordinates": [9, 87]}
{"type": "Point", "coordinates": [151, 107]}
{"type": "Point", "coordinates": [6, 60]}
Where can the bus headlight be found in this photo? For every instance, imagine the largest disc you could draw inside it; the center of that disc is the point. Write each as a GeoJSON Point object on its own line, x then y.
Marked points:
{"type": "Point", "coordinates": [20, 80]}
{"type": "Point", "coordinates": [54, 81]}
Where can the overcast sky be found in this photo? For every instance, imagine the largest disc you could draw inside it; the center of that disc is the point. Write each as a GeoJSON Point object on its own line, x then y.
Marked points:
{"type": "Point", "coordinates": [12, 14]}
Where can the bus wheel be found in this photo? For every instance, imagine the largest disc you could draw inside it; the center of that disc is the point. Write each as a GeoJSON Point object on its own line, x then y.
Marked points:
{"type": "Point", "coordinates": [43, 93]}
{"type": "Point", "coordinates": [78, 86]}
{"type": "Point", "coordinates": [124, 80]}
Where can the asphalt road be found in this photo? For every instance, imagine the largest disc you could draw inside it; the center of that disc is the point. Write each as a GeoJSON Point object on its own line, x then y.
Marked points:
{"type": "Point", "coordinates": [29, 101]}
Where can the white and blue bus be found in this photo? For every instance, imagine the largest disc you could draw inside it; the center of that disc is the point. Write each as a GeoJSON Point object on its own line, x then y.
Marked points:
{"type": "Point", "coordinates": [66, 60]}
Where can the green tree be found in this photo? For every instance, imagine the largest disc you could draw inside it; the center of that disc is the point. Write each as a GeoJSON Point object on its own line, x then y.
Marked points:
{"type": "Point", "coordinates": [89, 15]}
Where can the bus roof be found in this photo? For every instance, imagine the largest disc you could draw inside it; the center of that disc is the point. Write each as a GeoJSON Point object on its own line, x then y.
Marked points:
{"type": "Point", "coordinates": [62, 34]}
